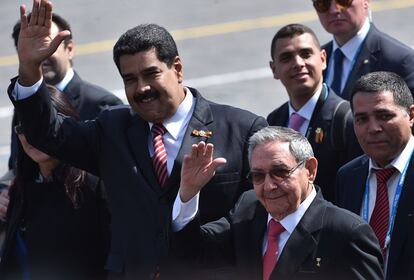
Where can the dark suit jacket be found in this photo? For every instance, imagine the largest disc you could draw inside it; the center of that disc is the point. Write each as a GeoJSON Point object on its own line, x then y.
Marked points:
{"type": "Point", "coordinates": [88, 100]}
{"type": "Point", "coordinates": [330, 156]}
{"type": "Point", "coordinates": [351, 182]}
{"type": "Point", "coordinates": [62, 242]}
{"type": "Point", "coordinates": [328, 243]}
{"type": "Point", "coordinates": [379, 52]}
{"type": "Point", "coordinates": [115, 147]}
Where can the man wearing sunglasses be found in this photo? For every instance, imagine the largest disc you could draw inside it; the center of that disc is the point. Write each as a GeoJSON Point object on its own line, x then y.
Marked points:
{"type": "Point", "coordinates": [283, 229]}
{"type": "Point", "coordinates": [358, 47]}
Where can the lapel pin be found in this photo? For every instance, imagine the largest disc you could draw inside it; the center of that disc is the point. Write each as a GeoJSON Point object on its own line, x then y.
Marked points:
{"type": "Point", "coordinates": [318, 262]}
{"type": "Point", "coordinates": [319, 135]}
{"type": "Point", "coordinates": [201, 133]}
{"type": "Point", "coordinates": [366, 61]}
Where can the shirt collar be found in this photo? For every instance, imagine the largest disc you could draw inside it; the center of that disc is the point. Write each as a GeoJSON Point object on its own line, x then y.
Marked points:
{"type": "Point", "coordinates": [292, 220]}
{"type": "Point", "coordinates": [68, 77]}
{"type": "Point", "coordinates": [307, 110]}
{"type": "Point", "coordinates": [350, 48]}
{"type": "Point", "coordinates": [179, 120]}
{"type": "Point", "coordinates": [400, 161]}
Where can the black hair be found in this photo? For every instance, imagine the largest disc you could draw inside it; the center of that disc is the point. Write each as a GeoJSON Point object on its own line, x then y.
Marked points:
{"type": "Point", "coordinates": [145, 37]}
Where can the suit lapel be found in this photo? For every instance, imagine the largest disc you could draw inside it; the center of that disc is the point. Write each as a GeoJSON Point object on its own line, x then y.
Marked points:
{"type": "Point", "coordinates": [316, 118]}
{"type": "Point", "coordinates": [258, 229]}
{"type": "Point", "coordinates": [201, 119]}
{"type": "Point", "coordinates": [72, 91]}
{"type": "Point", "coordinates": [137, 135]}
{"type": "Point", "coordinates": [405, 210]}
{"type": "Point", "coordinates": [365, 61]}
{"type": "Point", "coordinates": [302, 242]}
{"type": "Point", "coordinates": [356, 190]}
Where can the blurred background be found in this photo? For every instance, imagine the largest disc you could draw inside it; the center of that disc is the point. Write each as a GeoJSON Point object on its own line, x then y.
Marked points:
{"type": "Point", "coordinates": [224, 44]}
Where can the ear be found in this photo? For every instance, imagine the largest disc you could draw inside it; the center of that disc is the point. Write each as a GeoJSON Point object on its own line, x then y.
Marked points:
{"type": "Point", "coordinates": [312, 166]}
{"type": "Point", "coordinates": [70, 49]}
{"type": "Point", "coordinates": [323, 58]}
{"type": "Point", "coordinates": [274, 69]}
{"type": "Point", "coordinates": [178, 68]}
{"type": "Point", "coordinates": [411, 114]}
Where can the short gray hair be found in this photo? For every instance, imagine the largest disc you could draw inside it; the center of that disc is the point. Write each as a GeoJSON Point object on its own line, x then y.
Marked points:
{"type": "Point", "coordinates": [299, 146]}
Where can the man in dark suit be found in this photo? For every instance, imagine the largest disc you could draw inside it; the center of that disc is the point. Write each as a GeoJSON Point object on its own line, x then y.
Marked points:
{"type": "Point", "coordinates": [124, 145]}
{"type": "Point", "coordinates": [384, 115]}
{"type": "Point", "coordinates": [88, 99]}
{"type": "Point", "coordinates": [314, 238]}
{"type": "Point", "coordinates": [313, 108]}
{"type": "Point", "coordinates": [359, 47]}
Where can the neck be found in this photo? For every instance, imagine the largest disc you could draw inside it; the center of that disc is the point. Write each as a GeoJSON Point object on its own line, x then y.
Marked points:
{"type": "Point", "coordinates": [298, 100]}
{"type": "Point", "coordinates": [46, 168]}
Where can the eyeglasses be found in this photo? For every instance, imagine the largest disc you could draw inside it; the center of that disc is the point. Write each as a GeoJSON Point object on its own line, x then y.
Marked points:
{"type": "Point", "coordinates": [322, 6]}
{"type": "Point", "coordinates": [277, 174]}
{"type": "Point", "coordinates": [18, 129]}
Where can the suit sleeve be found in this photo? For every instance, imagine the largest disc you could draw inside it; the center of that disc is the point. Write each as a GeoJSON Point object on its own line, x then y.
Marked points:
{"type": "Point", "coordinates": [59, 136]}
{"type": "Point", "coordinates": [363, 254]}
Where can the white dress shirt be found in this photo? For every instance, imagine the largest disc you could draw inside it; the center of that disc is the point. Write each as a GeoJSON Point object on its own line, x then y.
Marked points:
{"type": "Point", "coordinates": [307, 110]}
{"type": "Point", "coordinates": [350, 50]}
{"type": "Point", "coordinates": [176, 127]}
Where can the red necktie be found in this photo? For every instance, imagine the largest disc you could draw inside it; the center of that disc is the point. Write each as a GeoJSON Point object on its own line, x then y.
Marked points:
{"type": "Point", "coordinates": [270, 257]}
{"type": "Point", "coordinates": [159, 159]}
{"type": "Point", "coordinates": [296, 121]}
{"type": "Point", "coordinates": [380, 216]}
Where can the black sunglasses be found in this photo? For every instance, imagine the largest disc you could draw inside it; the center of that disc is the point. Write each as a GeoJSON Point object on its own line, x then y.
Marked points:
{"type": "Point", "coordinates": [322, 6]}
{"type": "Point", "coordinates": [18, 129]}
{"type": "Point", "coordinates": [277, 174]}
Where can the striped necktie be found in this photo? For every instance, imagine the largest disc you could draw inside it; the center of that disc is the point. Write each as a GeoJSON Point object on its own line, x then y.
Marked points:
{"type": "Point", "coordinates": [159, 159]}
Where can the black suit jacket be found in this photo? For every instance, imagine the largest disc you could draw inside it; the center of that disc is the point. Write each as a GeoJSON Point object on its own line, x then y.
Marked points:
{"type": "Point", "coordinates": [62, 242]}
{"type": "Point", "coordinates": [351, 182]}
{"type": "Point", "coordinates": [328, 243]}
{"type": "Point", "coordinates": [87, 99]}
{"type": "Point", "coordinates": [115, 147]}
{"type": "Point", "coordinates": [332, 152]}
{"type": "Point", "coordinates": [379, 52]}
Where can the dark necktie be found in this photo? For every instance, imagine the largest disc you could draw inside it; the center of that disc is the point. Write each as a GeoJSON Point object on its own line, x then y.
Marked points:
{"type": "Point", "coordinates": [296, 121]}
{"type": "Point", "coordinates": [159, 159]}
{"type": "Point", "coordinates": [380, 215]}
{"type": "Point", "coordinates": [270, 257]}
{"type": "Point", "coordinates": [336, 82]}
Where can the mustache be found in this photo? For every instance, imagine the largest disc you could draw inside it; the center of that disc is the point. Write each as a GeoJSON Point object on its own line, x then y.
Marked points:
{"type": "Point", "coordinates": [152, 93]}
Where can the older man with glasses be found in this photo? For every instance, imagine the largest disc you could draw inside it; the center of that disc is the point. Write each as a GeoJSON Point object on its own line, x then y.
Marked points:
{"type": "Point", "coordinates": [284, 228]}
{"type": "Point", "coordinates": [358, 47]}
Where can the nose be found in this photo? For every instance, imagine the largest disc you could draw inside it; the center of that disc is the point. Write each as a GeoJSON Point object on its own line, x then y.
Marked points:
{"type": "Point", "coordinates": [374, 126]}
{"type": "Point", "coordinates": [142, 86]}
{"type": "Point", "coordinates": [299, 62]}
{"type": "Point", "coordinates": [269, 183]}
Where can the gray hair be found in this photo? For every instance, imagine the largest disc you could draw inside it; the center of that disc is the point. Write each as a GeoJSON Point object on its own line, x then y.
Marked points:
{"type": "Point", "coordinates": [299, 146]}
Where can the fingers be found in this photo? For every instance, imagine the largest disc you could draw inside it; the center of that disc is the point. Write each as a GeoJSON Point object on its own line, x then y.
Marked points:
{"type": "Point", "coordinates": [23, 17]}
{"type": "Point", "coordinates": [35, 13]}
{"type": "Point", "coordinates": [48, 15]}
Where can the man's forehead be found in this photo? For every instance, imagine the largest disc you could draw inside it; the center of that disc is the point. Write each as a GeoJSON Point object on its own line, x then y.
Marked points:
{"type": "Point", "coordinates": [289, 44]}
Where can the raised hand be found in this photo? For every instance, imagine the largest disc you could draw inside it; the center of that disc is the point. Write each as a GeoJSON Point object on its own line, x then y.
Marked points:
{"type": "Point", "coordinates": [197, 170]}
{"type": "Point", "coordinates": [35, 42]}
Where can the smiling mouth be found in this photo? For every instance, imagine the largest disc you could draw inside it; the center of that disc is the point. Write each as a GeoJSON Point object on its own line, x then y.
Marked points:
{"type": "Point", "coordinates": [275, 197]}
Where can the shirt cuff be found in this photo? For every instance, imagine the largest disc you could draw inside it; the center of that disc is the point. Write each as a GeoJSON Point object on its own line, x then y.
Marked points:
{"type": "Point", "coordinates": [21, 92]}
{"type": "Point", "coordinates": [183, 213]}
